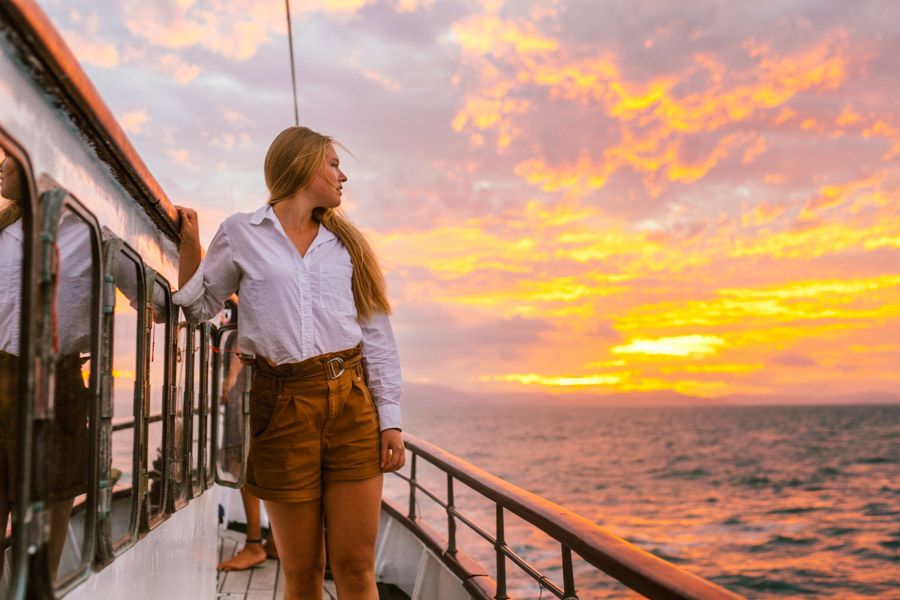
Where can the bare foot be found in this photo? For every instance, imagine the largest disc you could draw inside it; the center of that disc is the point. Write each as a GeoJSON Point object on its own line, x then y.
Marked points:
{"type": "Point", "coordinates": [271, 550]}
{"type": "Point", "coordinates": [251, 554]}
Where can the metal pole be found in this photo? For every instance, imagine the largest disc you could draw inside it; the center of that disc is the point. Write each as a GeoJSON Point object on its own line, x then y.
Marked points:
{"type": "Point", "coordinates": [451, 522]}
{"type": "Point", "coordinates": [412, 488]}
{"type": "Point", "coordinates": [568, 575]}
{"type": "Point", "coordinates": [287, 10]}
{"type": "Point", "coordinates": [501, 557]}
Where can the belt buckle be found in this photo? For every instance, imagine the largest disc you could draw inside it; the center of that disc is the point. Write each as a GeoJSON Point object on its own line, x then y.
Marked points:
{"type": "Point", "coordinates": [334, 367]}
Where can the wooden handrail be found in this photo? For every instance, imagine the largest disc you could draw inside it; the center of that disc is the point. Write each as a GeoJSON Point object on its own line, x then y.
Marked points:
{"type": "Point", "coordinates": [65, 80]}
{"type": "Point", "coordinates": [636, 568]}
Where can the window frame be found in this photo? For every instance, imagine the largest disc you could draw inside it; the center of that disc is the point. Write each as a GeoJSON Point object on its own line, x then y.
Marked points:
{"type": "Point", "coordinates": [180, 495]}
{"type": "Point", "coordinates": [245, 417]}
{"type": "Point", "coordinates": [151, 521]}
{"type": "Point", "coordinates": [52, 202]}
{"type": "Point", "coordinates": [202, 390]}
{"type": "Point", "coordinates": [210, 411]}
{"type": "Point", "coordinates": [109, 549]}
{"type": "Point", "coordinates": [24, 528]}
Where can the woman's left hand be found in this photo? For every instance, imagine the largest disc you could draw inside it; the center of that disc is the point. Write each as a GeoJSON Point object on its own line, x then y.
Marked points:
{"type": "Point", "coordinates": [393, 454]}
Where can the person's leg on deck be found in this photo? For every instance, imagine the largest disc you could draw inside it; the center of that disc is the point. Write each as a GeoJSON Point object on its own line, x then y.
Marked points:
{"type": "Point", "coordinates": [302, 549]}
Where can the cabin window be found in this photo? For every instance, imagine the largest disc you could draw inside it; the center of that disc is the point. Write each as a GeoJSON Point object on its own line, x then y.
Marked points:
{"type": "Point", "coordinates": [16, 291]}
{"type": "Point", "coordinates": [155, 460]}
{"type": "Point", "coordinates": [230, 444]}
{"type": "Point", "coordinates": [125, 398]}
{"type": "Point", "coordinates": [64, 442]}
{"type": "Point", "coordinates": [210, 411]}
{"type": "Point", "coordinates": [199, 369]}
{"type": "Point", "coordinates": [181, 427]}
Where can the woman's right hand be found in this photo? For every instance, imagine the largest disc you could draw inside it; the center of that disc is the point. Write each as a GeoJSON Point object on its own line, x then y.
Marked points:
{"type": "Point", "coordinates": [189, 229]}
{"type": "Point", "coordinates": [189, 252]}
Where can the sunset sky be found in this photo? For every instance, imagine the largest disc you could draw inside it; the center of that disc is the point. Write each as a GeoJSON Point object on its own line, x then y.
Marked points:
{"type": "Point", "coordinates": [594, 196]}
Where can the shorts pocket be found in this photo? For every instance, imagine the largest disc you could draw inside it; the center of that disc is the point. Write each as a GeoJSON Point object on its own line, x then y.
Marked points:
{"type": "Point", "coordinates": [263, 407]}
{"type": "Point", "coordinates": [360, 384]}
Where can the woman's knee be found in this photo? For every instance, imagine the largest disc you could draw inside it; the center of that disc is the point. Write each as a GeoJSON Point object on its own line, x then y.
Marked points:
{"type": "Point", "coordinates": [308, 565]}
{"type": "Point", "coordinates": [358, 569]}
{"type": "Point", "coordinates": [304, 576]}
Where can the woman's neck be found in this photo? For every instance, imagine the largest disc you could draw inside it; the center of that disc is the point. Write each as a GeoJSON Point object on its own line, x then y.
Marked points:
{"type": "Point", "coordinates": [295, 215]}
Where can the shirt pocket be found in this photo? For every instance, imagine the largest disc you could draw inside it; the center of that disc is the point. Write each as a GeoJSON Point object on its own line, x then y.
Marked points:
{"type": "Point", "coordinates": [11, 275]}
{"type": "Point", "coordinates": [336, 288]}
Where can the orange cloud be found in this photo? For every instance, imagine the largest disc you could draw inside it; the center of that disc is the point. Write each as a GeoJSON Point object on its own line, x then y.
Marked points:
{"type": "Point", "coordinates": [683, 345]}
{"type": "Point", "coordinates": [655, 121]}
{"type": "Point", "coordinates": [92, 51]}
{"type": "Point", "coordinates": [132, 121]}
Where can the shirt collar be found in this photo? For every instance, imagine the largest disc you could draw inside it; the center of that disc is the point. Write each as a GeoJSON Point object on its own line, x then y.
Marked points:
{"type": "Point", "coordinates": [14, 230]}
{"type": "Point", "coordinates": [263, 212]}
{"type": "Point", "coordinates": [266, 212]}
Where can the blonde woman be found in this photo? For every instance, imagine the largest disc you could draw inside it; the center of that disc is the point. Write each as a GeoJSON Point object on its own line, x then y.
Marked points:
{"type": "Point", "coordinates": [324, 406]}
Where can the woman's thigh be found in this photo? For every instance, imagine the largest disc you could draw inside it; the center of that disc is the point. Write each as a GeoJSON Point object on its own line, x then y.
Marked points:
{"type": "Point", "coordinates": [352, 509]}
{"type": "Point", "coordinates": [299, 526]}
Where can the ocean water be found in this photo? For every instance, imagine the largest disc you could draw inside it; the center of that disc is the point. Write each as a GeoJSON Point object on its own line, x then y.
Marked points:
{"type": "Point", "coordinates": [770, 502]}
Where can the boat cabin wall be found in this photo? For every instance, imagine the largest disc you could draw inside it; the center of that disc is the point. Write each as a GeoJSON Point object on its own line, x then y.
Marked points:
{"type": "Point", "coordinates": [59, 156]}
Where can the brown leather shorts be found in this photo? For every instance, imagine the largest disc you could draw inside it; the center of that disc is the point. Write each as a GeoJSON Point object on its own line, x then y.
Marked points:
{"type": "Point", "coordinates": [311, 422]}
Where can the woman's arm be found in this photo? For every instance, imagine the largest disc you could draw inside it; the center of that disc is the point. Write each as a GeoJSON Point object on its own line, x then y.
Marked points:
{"type": "Point", "coordinates": [190, 252]}
{"type": "Point", "coordinates": [386, 384]}
{"type": "Point", "coordinates": [204, 285]}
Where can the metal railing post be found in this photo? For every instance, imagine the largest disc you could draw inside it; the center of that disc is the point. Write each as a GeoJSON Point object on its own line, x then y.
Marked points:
{"type": "Point", "coordinates": [412, 488]}
{"type": "Point", "coordinates": [501, 557]}
{"type": "Point", "coordinates": [568, 575]}
{"type": "Point", "coordinates": [638, 570]}
{"type": "Point", "coordinates": [451, 522]}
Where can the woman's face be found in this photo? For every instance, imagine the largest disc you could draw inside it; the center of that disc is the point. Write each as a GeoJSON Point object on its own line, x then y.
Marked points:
{"type": "Point", "coordinates": [328, 181]}
{"type": "Point", "coordinates": [10, 181]}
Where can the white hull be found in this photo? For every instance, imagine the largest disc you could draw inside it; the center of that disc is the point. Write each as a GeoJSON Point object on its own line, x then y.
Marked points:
{"type": "Point", "coordinates": [175, 561]}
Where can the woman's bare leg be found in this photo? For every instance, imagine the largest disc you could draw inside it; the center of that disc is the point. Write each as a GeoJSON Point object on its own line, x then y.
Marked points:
{"type": "Point", "coordinates": [60, 513]}
{"type": "Point", "coordinates": [352, 509]}
{"type": "Point", "coordinates": [302, 549]}
{"type": "Point", "coordinates": [269, 547]}
{"type": "Point", "coordinates": [252, 553]}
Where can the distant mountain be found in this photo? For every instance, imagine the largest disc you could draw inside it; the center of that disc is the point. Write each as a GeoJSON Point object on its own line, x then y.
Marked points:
{"type": "Point", "coordinates": [428, 394]}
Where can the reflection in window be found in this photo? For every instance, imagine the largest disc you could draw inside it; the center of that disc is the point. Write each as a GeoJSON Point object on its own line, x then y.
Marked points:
{"type": "Point", "coordinates": [67, 439]}
{"type": "Point", "coordinates": [179, 489]}
{"type": "Point", "coordinates": [124, 372]}
{"type": "Point", "coordinates": [230, 451]}
{"type": "Point", "coordinates": [196, 398]}
{"type": "Point", "coordinates": [12, 236]}
{"type": "Point", "coordinates": [154, 458]}
{"type": "Point", "coordinates": [210, 415]}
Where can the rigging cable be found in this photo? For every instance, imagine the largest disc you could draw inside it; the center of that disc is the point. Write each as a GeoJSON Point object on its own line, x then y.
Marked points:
{"type": "Point", "coordinates": [287, 10]}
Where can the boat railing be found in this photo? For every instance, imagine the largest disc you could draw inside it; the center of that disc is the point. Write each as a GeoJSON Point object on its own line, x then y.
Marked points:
{"type": "Point", "coordinates": [128, 422]}
{"type": "Point", "coordinates": [637, 569]}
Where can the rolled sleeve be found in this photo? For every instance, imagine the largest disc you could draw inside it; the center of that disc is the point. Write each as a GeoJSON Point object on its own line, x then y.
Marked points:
{"type": "Point", "coordinates": [383, 369]}
{"type": "Point", "coordinates": [217, 277]}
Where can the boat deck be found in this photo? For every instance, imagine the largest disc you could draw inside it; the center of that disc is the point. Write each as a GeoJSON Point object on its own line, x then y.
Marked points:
{"type": "Point", "coordinates": [264, 582]}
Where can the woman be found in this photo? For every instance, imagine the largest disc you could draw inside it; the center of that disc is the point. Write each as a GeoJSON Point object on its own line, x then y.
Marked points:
{"type": "Point", "coordinates": [315, 314]}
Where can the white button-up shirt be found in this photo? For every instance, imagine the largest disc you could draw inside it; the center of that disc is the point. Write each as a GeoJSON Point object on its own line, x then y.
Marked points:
{"type": "Point", "coordinates": [72, 307]}
{"type": "Point", "coordinates": [293, 307]}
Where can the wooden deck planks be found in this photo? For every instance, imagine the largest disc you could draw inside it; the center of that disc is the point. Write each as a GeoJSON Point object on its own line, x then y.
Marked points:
{"type": "Point", "coordinates": [264, 577]}
{"type": "Point", "coordinates": [263, 582]}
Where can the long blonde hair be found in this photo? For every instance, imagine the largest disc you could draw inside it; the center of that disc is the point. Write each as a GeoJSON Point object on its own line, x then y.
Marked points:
{"type": "Point", "coordinates": [292, 161]}
{"type": "Point", "coordinates": [12, 210]}
{"type": "Point", "coordinates": [10, 213]}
